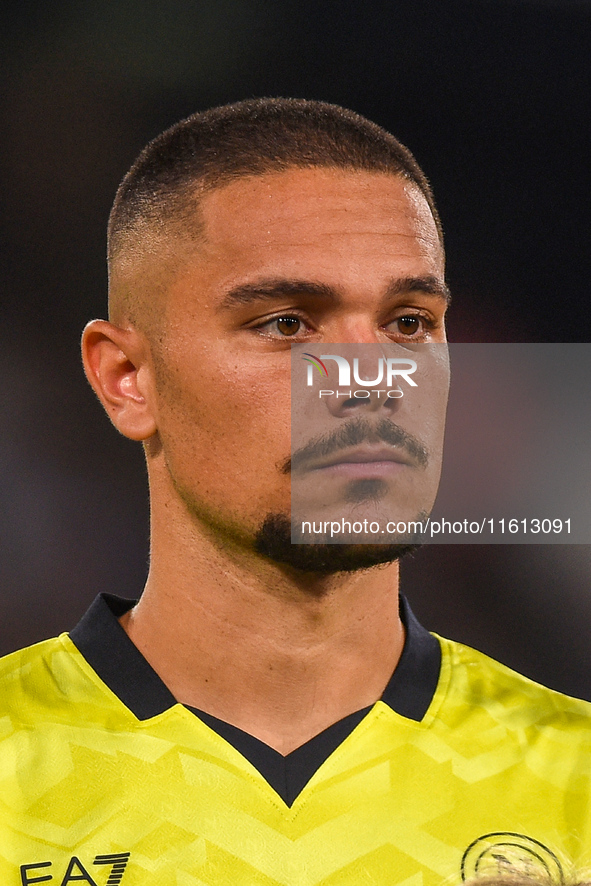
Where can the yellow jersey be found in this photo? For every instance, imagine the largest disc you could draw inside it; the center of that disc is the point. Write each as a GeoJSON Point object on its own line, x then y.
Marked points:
{"type": "Point", "coordinates": [462, 768]}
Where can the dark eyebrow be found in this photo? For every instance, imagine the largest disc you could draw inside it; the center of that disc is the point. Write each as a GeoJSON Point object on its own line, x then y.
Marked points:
{"type": "Point", "coordinates": [274, 289]}
{"type": "Point", "coordinates": [430, 285]}
{"type": "Point", "coordinates": [268, 290]}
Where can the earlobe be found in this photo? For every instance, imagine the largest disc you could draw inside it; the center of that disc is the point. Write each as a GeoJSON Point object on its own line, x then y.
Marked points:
{"type": "Point", "coordinates": [117, 366]}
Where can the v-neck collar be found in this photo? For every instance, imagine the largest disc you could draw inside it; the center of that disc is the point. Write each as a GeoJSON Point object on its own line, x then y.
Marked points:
{"type": "Point", "coordinates": [121, 666]}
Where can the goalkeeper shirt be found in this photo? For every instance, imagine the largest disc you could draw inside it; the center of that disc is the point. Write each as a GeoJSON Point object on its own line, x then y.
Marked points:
{"type": "Point", "coordinates": [463, 768]}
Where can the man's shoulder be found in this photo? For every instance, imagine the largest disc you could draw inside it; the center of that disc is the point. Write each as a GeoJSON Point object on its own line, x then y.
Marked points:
{"type": "Point", "coordinates": [471, 680]}
{"type": "Point", "coordinates": [47, 681]}
{"type": "Point", "coordinates": [25, 661]}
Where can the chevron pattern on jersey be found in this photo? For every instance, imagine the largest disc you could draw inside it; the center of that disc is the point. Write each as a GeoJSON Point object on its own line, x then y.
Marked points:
{"type": "Point", "coordinates": [89, 791]}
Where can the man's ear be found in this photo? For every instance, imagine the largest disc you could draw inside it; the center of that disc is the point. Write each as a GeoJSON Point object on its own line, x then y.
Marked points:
{"type": "Point", "coordinates": [117, 365]}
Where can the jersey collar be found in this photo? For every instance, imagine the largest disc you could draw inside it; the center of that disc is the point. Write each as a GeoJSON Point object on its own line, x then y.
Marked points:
{"type": "Point", "coordinates": [119, 663]}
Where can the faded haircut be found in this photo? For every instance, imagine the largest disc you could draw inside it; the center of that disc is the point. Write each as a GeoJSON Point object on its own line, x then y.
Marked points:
{"type": "Point", "coordinates": [210, 149]}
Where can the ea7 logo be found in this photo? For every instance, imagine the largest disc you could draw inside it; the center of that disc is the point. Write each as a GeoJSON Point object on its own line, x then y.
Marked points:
{"type": "Point", "coordinates": [76, 872]}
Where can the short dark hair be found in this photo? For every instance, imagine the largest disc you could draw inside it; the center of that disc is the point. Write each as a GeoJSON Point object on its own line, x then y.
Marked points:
{"type": "Point", "coordinates": [253, 137]}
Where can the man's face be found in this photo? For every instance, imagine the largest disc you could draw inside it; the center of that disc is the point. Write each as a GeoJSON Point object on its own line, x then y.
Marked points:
{"type": "Point", "coordinates": [308, 256]}
{"type": "Point", "coordinates": [367, 440]}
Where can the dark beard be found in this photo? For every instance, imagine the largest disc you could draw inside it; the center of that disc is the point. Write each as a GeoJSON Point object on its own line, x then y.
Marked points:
{"type": "Point", "coordinates": [273, 540]}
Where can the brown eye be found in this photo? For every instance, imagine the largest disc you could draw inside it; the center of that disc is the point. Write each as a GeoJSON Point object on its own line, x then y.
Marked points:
{"type": "Point", "coordinates": [408, 325]}
{"type": "Point", "coordinates": [288, 325]}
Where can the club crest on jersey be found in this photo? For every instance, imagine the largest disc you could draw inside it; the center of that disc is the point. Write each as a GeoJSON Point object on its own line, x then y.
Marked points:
{"type": "Point", "coordinates": [503, 852]}
{"type": "Point", "coordinates": [76, 871]}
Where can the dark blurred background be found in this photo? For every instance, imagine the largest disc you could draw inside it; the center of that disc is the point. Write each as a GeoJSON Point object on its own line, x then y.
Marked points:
{"type": "Point", "coordinates": [492, 96]}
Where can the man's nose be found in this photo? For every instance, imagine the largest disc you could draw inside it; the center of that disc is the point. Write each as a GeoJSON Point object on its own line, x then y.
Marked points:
{"type": "Point", "coordinates": [358, 329]}
{"type": "Point", "coordinates": [367, 390]}
{"type": "Point", "coordinates": [344, 403]}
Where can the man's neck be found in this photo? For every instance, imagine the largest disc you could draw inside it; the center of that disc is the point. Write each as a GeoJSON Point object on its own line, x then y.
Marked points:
{"type": "Point", "coordinates": [279, 655]}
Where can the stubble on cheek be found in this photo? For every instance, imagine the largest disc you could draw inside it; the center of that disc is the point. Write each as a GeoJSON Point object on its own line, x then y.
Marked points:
{"type": "Point", "coordinates": [223, 450]}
